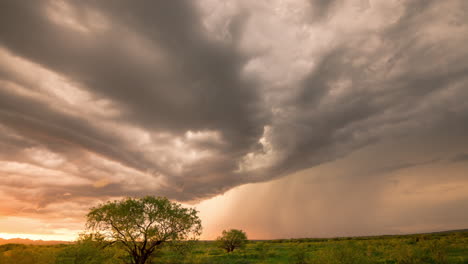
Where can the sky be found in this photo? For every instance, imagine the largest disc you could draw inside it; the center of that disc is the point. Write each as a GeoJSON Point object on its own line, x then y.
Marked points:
{"type": "Point", "coordinates": [298, 118]}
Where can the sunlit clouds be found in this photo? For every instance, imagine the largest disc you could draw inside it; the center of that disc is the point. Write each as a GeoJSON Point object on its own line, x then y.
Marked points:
{"type": "Point", "coordinates": [282, 118]}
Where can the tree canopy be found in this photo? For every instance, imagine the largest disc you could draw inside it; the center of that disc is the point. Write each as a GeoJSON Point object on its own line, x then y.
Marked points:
{"type": "Point", "coordinates": [232, 239]}
{"type": "Point", "coordinates": [141, 225]}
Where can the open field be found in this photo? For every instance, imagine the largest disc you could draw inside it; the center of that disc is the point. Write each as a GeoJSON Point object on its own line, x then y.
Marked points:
{"type": "Point", "coordinates": [451, 248]}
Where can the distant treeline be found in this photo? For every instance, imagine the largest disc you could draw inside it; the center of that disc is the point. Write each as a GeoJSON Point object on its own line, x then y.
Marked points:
{"type": "Point", "coordinates": [433, 235]}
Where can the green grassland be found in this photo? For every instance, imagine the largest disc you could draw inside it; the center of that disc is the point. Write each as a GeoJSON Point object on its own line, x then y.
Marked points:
{"type": "Point", "coordinates": [450, 248]}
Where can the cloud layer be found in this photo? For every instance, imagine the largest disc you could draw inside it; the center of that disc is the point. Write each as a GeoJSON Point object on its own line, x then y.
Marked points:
{"type": "Point", "coordinates": [189, 99]}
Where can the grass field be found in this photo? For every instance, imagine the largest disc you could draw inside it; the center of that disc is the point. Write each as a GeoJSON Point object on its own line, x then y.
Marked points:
{"type": "Point", "coordinates": [450, 248]}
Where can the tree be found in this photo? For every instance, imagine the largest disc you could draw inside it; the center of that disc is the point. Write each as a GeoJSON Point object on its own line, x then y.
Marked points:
{"type": "Point", "coordinates": [232, 239]}
{"type": "Point", "coordinates": [142, 225]}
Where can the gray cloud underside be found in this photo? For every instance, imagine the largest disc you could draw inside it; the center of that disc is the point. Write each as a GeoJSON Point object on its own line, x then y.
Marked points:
{"type": "Point", "coordinates": [402, 78]}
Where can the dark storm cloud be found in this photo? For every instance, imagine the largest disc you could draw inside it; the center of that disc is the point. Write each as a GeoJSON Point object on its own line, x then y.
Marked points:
{"type": "Point", "coordinates": [460, 157]}
{"type": "Point", "coordinates": [320, 127]}
{"type": "Point", "coordinates": [170, 77]}
{"type": "Point", "coordinates": [56, 130]}
{"type": "Point", "coordinates": [321, 9]}
{"type": "Point", "coordinates": [198, 86]}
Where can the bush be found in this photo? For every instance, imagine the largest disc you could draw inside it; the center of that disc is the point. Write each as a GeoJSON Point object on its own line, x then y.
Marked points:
{"type": "Point", "coordinates": [87, 251]}
{"type": "Point", "coordinates": [232, 239]}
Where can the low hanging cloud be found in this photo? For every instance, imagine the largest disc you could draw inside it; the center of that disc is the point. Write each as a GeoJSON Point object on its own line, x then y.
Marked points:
{"type": "Point", "coordinates": [190, 99]}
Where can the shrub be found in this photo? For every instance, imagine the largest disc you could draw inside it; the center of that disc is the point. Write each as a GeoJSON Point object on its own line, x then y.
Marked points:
{"type": "Point", "coordinates": [232, 239]}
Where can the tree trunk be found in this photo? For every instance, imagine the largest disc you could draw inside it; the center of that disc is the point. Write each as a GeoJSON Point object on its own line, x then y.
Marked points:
{"type": "Point", "coordinates": [137, 259]}
{"type": "Point", "coordinates": [143, 259]}
{"type": "Point", "coordinates": [140, 259]}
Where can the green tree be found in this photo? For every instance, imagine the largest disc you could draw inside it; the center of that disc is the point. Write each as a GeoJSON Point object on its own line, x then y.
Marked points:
{"type": "Point", "coordinates": [142, 225]}
{"type": "Point", "coordinates": [232, 239]}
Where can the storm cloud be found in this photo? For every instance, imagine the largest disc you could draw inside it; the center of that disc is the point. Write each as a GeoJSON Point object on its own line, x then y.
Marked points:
{"type": "Point", "coordinates": [189, 99]}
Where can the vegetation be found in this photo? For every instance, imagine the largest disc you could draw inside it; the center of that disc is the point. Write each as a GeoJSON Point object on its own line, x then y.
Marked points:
{"type": "Point", "coordinates": [232, 239]}
{"type": "Point", "coordinates": [141, 226]}
{"type": "Point", "coordinates": [450, 248]}
{"type": "Point", "coordinates": [155, 230]}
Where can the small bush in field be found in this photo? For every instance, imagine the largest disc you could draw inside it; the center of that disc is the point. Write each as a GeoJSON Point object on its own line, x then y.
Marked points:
{"type": "Point", "coordinates": [88, 251]}
{"type": "Point", "coordinates": [232, 239]}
